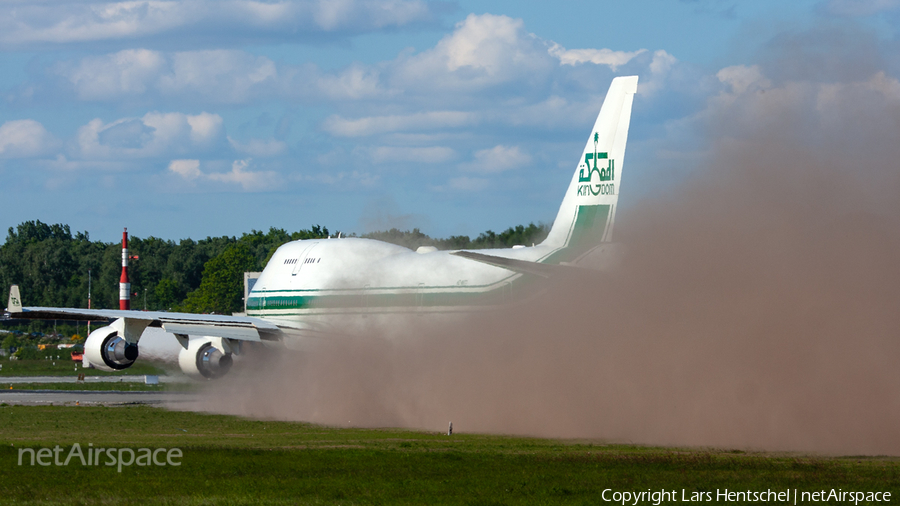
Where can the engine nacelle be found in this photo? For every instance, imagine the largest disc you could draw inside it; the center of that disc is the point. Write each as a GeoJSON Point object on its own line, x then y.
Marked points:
{"type": "Point", "coordinates": [205, 358]}
{"type": "Point", "coordinates": [107, 350]}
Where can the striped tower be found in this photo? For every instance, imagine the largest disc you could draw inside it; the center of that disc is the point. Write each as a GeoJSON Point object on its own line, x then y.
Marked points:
{"type": "Point", "coordinates": [124, 285]}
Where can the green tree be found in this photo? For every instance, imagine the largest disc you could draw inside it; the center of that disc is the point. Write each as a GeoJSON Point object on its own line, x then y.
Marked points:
{"type": "Point", "coordinates": [222, 288]}
{"type": "Point", "coordinates": [10, 342]}
{"type": "Point", "coordinates": [510, 237]}
{"type": "Point", "coordinates": [28, 352]}
{"type": "Point", "coordinates": [409, 239]}
{"type": "Point", "coordinates": [167, 294]}
{"type": "Point", "coordinates": [526, 236]}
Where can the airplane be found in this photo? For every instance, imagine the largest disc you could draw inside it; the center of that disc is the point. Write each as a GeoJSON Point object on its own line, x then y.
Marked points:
{"type": "Point", "coordinates": [311, 286]}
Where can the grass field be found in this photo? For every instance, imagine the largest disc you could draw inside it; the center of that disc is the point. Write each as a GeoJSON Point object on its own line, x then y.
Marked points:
{"type": "Point", "coordinates": [66, 367]}
{"type": "Point", "coordinates": [229, 460]}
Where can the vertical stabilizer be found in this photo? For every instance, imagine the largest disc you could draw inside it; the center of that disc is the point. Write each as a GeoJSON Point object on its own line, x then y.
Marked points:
{"type": "Point", "coordinates": [588, 209]}
{"type": "Point", "coordinates": [14, 304]}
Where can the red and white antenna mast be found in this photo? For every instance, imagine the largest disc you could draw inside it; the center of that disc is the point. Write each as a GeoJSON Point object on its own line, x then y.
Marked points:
{"type": "Point", "coordinates": [124, 285]}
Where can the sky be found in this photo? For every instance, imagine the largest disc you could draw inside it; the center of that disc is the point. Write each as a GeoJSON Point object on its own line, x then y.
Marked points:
{"type": "Point", "coordinates": [195, 118]}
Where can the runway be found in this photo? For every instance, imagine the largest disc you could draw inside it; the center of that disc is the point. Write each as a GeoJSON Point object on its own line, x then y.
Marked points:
{"type": "Point", "coordinates": [91, 397]}
{"type": "Point", "coordinates": [133, 378]}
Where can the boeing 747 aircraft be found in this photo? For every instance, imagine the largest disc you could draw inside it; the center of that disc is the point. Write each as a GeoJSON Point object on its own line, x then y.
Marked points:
{"type": "Point", "coordinates": [309, 286]}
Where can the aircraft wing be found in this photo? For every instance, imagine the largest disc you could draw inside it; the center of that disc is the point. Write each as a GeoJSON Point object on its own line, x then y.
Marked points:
{"type": "Point", "coordinates": [232, 327]}
{"type": "Point", "coordinates": [524, 266]}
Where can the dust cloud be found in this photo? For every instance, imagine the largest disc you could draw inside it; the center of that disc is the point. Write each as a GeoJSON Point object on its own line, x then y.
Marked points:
{"type": "Point", "coordinates": [749, 311]}
{"type": "Point", "coordinates": [756, 307]}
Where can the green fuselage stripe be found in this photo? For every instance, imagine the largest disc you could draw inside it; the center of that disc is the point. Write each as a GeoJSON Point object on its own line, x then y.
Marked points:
{"type": "Point", "coordinates": [503, 293]}
{"type": "Point", "coordinates": [380, 300]}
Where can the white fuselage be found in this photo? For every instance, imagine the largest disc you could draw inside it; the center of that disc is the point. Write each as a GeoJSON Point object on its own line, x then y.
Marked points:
{"type": "Point", "coordinates": [308, 281]}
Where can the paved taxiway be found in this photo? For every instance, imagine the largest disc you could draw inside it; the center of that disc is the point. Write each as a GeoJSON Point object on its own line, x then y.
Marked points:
{"type": "Point", "coordinates": [91, 398]}
{"type": "Point", "coordinates": [133, 378]}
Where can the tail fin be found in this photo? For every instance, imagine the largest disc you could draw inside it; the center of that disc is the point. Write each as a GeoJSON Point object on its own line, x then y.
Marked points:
{"type": "Point", "coordinates": [14, 304]}
{"type": "Point", "coordinates": [588, 210]}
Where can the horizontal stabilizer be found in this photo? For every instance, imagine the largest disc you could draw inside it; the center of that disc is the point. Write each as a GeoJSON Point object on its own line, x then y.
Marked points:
{"type": "Point", "coordinates": [526, 267]}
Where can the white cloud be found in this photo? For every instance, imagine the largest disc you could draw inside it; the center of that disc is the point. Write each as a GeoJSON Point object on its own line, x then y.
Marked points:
{"type": "Point", "coordinates": [212, 76]}
{"type": "Point", "coordinates": [486, 78]}
{"type": "Point", "coordinates": [24, 138]}
{"type": "Point", "coordinates": [741, 78]}
{"type": "Point", "coordinates": [353, 83]}
{"type": "Point", "coordinates": [573, 57]}
{"type": "Point", "coordinates": [154, 134]}
{"type": "Point", "coordinates": [217, 76]}
{"type": "Point", "coordinates": [482, 51]}
{"type": "Point", "coordinates": [206, 128]}
{"type": "Point", "coordinates": [63, 22]}
{"type": "Point", "coordinates": [480, 54]}
{"type": "Point", "coordinates": [373, 125]}
{"type": "Point", "coordinates": [258, 147]}
{"type": "Point", "coordinates": [231, 75]}
{"type": "Point", "coordinates": [252, 181]}
{"type": "Point", "coordinates": [111, 76]}
{"type": "Point", "coordinates": [384, 154]}
{"type": "Point", "coordinates": [333, 15]}
{"type": "Point", "coordinates": [662, 62]}
{"type": "Point", "coordinates": [497, 159]}
{"type": "Point", "coordinates": [660, 66]}
{"type": "Point", "coordinates": [188, 169]}
{"type": "Point", "coordinates": [482, 42]}
{"type": "Point", "coordinates": [552, 112]}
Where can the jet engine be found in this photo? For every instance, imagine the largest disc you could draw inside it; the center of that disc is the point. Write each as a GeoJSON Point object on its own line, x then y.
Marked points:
{"type": "Point", "coordinates": [107, 350]}
{"type": "Point", "coordinates": [205, 357]}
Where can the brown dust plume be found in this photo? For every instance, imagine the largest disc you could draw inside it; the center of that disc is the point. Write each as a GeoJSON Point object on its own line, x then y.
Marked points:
{"type": "Point", "coordinates": [756, 306]}
{"type": "Point", "coordinates": [744, 314]}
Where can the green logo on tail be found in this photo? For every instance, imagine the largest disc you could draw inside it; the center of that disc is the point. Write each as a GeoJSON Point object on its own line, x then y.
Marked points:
{"type": "Point", "coordinates": [607, 173]}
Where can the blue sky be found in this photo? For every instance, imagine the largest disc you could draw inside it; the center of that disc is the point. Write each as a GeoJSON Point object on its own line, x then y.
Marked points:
{"type": "Point", "coordinates": [195, 118]}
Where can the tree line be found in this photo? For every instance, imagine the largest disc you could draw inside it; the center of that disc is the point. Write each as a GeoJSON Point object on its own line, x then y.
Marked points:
{"type": "Point", "coordinates": [51, 265]}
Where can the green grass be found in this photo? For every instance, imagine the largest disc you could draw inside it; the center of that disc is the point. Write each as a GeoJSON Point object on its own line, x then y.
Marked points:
{"type": "Point", "coordinates": [66, 367]}
{"type": "Point", "coordinates": [229, 460]}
